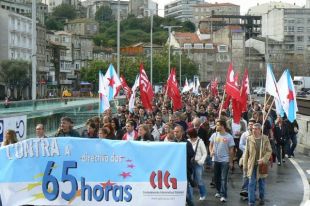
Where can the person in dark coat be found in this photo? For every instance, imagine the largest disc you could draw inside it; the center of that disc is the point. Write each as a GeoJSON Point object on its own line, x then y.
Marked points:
{"type": "Point", "coordinates": [180, 137]}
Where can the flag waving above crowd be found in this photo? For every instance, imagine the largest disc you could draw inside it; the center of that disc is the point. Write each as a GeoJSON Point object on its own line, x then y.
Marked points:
{"type": "Point", "coordinates": [173, 91]}
{"type": "Point", "coordinates": [146, 90]}
{"type": "Point", "coordinates": [112, 83]}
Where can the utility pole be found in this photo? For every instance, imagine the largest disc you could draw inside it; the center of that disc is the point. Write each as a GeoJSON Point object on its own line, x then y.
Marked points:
{"type": "Point", "coordinates": [151, 62]}
{"type": "Point", "coordinates": [118, 38]}
{"type": "Point", "coordinates": [34, 51]}
{"type": "Point", "coordinates": [169, 31]}
{"type": "Point", "coordinates": [180, 67]}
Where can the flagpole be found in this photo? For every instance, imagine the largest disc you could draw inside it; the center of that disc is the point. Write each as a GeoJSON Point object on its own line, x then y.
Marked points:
{"type": "Point", "coordinates": [222, 103]}
{"type": "Point", "coordinates": [265, 118]}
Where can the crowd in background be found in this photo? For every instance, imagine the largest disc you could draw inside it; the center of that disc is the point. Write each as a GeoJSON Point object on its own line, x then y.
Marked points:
{"type": "Point", "coordinates": [213, 139]}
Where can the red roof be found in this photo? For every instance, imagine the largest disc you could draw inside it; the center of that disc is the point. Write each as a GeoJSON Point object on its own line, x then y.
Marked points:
{"type": "Point", "coordinates": [187, 37]}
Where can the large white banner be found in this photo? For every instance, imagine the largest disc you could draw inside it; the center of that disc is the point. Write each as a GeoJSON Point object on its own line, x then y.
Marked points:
{"type": "Point", "coordinates": [16, 123]}
{"type": "Point", "coordinates": [93, 172]}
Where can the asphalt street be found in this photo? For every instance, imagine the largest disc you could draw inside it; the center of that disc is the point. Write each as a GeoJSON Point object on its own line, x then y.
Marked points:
{"type": "Point", "coordinates": [284, 185]}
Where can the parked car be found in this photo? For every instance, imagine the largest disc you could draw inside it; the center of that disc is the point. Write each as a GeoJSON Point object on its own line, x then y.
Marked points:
{"type": "Point", "coordinates": [261, 92]}
{"type": "Point", "coordinates": [303, 94]}
{"type": "Point", "coordinates": [257, 89]}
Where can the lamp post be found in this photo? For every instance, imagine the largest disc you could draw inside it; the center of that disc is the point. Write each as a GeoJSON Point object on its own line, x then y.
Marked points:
{"type": "Point", "coordinates": [151, 42]}
{"type": "Point", "coordinates": [34, 51]}
{"type": "Point", "coordinates": [180, 53]}
{"type": "Point", "coordinates": [169, 31]}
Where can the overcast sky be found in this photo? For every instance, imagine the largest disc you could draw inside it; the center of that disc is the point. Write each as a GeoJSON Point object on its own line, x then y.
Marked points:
{"type": "Point", "coordinates": [244, 4]}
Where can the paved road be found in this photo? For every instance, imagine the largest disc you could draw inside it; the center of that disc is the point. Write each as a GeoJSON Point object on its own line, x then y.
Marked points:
{"type": "Point", "coordinates": [284, 186]}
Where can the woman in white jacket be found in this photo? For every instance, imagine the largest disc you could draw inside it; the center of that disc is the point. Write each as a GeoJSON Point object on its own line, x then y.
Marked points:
{"type": "Point", "coordinates": [199, 159]}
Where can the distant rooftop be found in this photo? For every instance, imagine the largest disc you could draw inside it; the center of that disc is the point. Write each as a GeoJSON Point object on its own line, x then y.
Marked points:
{"type": "Point", "coordinates": [214, 5]}
{"type": "Point", "coordinates": [81, 20]}
{"type": "Point", "coordinates": [264, 8]}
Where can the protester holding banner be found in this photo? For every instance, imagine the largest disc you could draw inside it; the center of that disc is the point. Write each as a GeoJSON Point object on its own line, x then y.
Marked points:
{"type": "Point", "coordinates": [144, 133]}
{"type": "Point", "coordinates": [179, 137]}
{"type": "Point", "coordinates": [40, 132]}
{"type": "Point", "coordinates": [118, 132]}
{"type": "Point", "coordinates": [9, 138]}
{"type": "Point", "coordinates": [131, 133]}
{"type": "Point", "coordinates": [66, 128]}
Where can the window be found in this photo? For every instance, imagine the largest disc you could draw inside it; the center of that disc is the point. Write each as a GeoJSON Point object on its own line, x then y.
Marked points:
{"type": "Point", "coordinates": [309, 38]}
{"type": "Point", "coordinates": [291, 21]}
{"type": "Point", "coordinates": [209, 46]}
{"type": "Point", "coordinates": [285, 29]}
{"type": "Point", "coordinates": [300, 29]}
{"type": "Point", "coordinates": [299, 48]}
{"type": "Point", "coordinates": [300, 38]}
{"type": "Point", "coordinates": [290, 29]}
{"type": "Point", "coordinates": [222, 48]}
{"type": "Point", "coordinates": [300, 21]}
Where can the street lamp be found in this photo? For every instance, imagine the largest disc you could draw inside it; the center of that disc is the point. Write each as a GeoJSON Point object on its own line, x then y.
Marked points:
{"type": "Point", "coordinates": [151, 33]}
{"type": "Point", "coordinates": [169, 31]}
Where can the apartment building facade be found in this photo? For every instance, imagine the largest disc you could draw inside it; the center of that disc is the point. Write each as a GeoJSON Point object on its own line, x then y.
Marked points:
{"type": "Point", "coordinates": [181, 9]}
{"type": "Point", "coordinates": [206, 10]}
{"type": "Point", "coordinates": [82, 26]}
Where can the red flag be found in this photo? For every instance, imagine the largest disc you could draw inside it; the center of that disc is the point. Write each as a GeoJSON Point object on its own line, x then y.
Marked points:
{"type": "Point", "coordinates": [173, 91]}
{"type": "Point", "coordinates": [237, 111]}
{"type": "Point", "coordinates": [231, 86]}
{"type": "Point", "coordinates": [227, 102]}
{"type": "Point", "coordinates": [125, 87]}
{"type": "Point", "coordinates": [214, 89]}
{"type": "Point", "coordinates": [146, 90]}
{"type": "Point", "coordinates": [245, 91]}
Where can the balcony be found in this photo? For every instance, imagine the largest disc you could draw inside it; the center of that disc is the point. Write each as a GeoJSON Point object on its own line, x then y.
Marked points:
{"type": "Point", "coordinates": [71, 76]}
{"type": "Point", "coordinates": [65, 82]}
{"type": "Point", "coordinates": [43, 69]}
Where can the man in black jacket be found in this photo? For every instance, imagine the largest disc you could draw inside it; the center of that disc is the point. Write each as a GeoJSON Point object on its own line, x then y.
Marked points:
{"type": "Point", "coordinates": [180, 137]}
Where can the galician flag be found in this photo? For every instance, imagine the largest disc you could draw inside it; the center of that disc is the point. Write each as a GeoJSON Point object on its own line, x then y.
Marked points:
{"type": "Point", "coordinates": [287, 95]}
{"type": "Point", "coordinates": [272, 89]}
{"type": "Point", "coordinates": [112, 82]}
{"type": "Point", "coordinates": [103, 100]}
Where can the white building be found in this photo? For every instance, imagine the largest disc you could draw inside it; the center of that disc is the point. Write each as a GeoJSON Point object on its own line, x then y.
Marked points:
{"type": "Point", "coordinates": [205, 10]}
{"type": "Point", "coordinates": [290, 26]}
{"type": "Point", "coordinates": [78, 51]}
{"type": "Point", "coordinates": [93, 5]}
{"type": "Point", "coordinates": [140, 8]}
{"type": "Point", "coordinates": [15, 36]}
{"type": "Point", "coordinates": [181, 9]}
{"type": "Point", "coordinates": [261, 9]}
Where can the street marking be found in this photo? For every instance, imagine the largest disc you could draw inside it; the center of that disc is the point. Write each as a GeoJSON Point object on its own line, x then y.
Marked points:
{"type": "Point", "coordinates": [308, 171]}
{"type": "Point", "coordinates": [305, 201]}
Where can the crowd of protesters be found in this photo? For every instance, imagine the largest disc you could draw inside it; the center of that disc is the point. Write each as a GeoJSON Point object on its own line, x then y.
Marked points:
{"type": "Point", "coordinates": [213, 139]}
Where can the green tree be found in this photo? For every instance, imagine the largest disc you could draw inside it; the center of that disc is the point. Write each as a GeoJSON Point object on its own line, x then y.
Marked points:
{"type": "Point", "coordinates": [189, 26]}
{"type": "Point", "coordinates": [53, 24]}
{"type": "Point", "coordinates": [15, 75]}
{"type": "Point", "coordinates": [104, 14]}
{"type": "Point", "coordinates": [64, 11]}
{"type": "Point", "coordinates": [91, 73]}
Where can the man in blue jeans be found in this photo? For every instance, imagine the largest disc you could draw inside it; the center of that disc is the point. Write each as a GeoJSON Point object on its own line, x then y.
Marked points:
{"type": "Point", "coordinates": [222, 150]}
{"type": "Point", "coordinates": [257, 152]}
